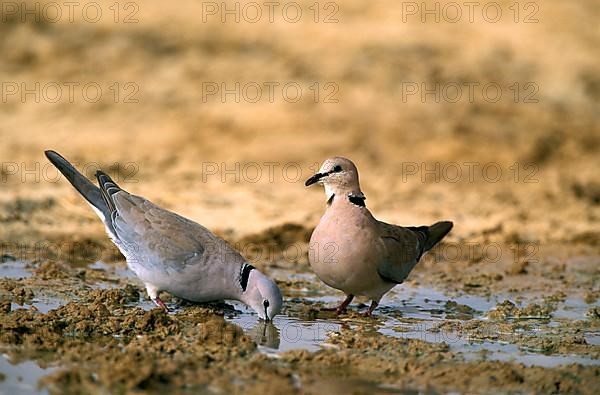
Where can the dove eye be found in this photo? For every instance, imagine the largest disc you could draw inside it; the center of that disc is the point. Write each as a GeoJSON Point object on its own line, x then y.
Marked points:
{"type": "Point", "coordinates": [266, 303]}
{"type": "Point", "coordinates": [337, 168]}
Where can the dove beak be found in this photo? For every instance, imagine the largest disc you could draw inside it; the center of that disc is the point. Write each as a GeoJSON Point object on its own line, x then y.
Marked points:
{"type": "Point", "coordinates": [315, 178]}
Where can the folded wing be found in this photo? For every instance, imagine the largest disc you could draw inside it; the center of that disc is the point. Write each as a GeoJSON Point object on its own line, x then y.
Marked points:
{"type": "Point", "coordinates": [150, 234]}
{"type": "Point", "coordinates": [406, 245]}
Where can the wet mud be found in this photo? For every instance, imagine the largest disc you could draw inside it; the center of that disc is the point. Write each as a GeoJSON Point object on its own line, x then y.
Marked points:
{"type": "Point", "coordinates": [91, 328]}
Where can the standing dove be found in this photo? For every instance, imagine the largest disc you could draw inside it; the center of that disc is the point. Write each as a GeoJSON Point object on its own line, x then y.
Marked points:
{"type": "Point", "coordinates": [352, 251]}
{"type": "Point", "coordinates": [171, 253]}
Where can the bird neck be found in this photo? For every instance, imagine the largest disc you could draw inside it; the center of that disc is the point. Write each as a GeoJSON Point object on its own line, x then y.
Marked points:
{"type": "Point", "coordinates": [354, 198]}
{"type": "Point", "coordinates": [333, 192]}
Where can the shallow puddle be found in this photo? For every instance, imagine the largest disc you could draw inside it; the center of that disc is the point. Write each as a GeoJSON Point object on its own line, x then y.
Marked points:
{"type": "Point", "coordinates": [14, 269]}
{"type": "Point", "coordinates": [407, 312]}
{"type": "Point", "coordinates": [422, 308]}
{"type": "Point", "coordinates": [415, 313]}
{"type": "Point", "coordinates": [43, 305]}
{"type": "Point", "coordinates": [285, 333]}
{"type": "Point", "coordinates": [21, 378]}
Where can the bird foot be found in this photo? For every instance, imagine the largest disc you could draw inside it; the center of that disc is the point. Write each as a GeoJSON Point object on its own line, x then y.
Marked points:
{"type": "Point", "coordinates": [337, 310]}
{"type": "Point", "coordinates": [160, 304]}
{"type": "Point", "coordinates": [340, 310]}
{"type": "Point", "coordinates": [329, 308]}
{"type": "Point", "coordinates": [369, 313]}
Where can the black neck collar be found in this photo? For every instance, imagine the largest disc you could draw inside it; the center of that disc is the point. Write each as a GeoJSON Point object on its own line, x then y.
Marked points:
{"type": "Point", "coordinates": [330, 200]}
{"type": "Point", "coordinates": [357, 200]}
{"type": "Point", "coordinates": [245, 275]}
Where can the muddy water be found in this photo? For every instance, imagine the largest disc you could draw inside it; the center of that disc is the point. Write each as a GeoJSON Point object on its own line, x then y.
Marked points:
{"type": "Point", "coordinates": [15, 269]}
{"type": "Point", "coordinates": [416, 313]}
{"type": "Point", "coordinates": [526, 329]}
{"type": "Point", "coordinates": [22, 377]}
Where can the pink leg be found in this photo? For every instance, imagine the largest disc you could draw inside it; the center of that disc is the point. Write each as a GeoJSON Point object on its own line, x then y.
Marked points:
{"type": "Point", "coordinates": [160, 303]}
{"type": "Point", "coordinates": [373, 306]}
{"type": "Point", "coordinates": [342, 307]}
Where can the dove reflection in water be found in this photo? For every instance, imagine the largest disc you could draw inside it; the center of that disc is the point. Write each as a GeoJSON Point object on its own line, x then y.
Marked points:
{"type": "Point", "coordinates": [266, 334]}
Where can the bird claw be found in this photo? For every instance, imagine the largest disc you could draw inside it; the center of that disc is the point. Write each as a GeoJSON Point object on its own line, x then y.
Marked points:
{"type": "Point", "coordinates": [161, 304]}
{"type": "Point", "coordinates": [337, 310]}
{"type": "Point", "coordinates": [329, 308]}
{"type": "Point", "coordinates": [342, 308]}
{"type": "Point", "coordinates": [369, 313]}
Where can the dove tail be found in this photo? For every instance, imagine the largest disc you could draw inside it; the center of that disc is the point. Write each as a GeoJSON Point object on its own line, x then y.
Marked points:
{"type": "Point", "coordinates": [437, 232]}
{"type": "Point", "coordinates": [108, 188]}
{"type": "Point", "coordinates": [89, 191]}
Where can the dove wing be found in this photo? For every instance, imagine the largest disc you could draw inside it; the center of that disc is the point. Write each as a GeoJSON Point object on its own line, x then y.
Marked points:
{"type": "Point", "coordinates": [404, 247]}
{"type": "Point", "coordinates": [151, 235]}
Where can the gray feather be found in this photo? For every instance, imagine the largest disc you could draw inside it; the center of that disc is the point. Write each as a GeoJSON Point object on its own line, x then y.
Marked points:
{"type": "Point", "coordinates": [89, 191]}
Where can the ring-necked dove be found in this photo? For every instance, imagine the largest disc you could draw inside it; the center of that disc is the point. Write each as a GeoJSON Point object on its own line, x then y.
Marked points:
{"type": "Point", "coordinates": [352, 251]}
{"type": "Point", "coordinates": [171, 253]}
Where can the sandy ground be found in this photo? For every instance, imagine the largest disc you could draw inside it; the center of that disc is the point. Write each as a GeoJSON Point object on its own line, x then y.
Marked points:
{"type": "Point", "coordinates": [518, 176]}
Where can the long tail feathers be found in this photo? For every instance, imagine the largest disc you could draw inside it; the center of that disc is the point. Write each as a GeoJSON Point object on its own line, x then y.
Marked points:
{"type": "Point", "coordinates": [89, 191]}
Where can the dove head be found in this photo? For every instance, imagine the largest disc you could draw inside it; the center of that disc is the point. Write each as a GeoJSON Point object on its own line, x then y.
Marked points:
{"type": "Point", "coordinates": [263, 295]}
{"type": "Point", "coordinates": [339, 176]}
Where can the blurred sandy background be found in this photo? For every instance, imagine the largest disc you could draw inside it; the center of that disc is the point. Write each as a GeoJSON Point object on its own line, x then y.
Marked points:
{"type": "Point", "coordinates": [174, 133]}
{"type": "Point", "coordinates": [238, 167]}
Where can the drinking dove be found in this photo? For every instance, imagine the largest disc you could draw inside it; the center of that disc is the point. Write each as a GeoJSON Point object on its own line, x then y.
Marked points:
{"type": "Point", "coordinates": [171, 253]}
{"type": "Point", "coordinates": [352, 251]}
